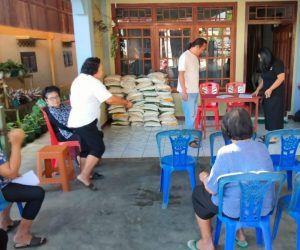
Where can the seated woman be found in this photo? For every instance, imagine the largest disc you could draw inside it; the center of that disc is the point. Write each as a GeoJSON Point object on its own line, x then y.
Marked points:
{"type": "Point", "coordinates": [33, 196]}
{"type": "Point", "coordinates": [58, 114]}
{"type": "Point", "coordinates": [243, 155]}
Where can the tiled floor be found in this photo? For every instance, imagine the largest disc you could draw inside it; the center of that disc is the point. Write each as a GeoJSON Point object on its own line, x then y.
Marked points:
{"type": "Point", "coordinates": [136, 142]}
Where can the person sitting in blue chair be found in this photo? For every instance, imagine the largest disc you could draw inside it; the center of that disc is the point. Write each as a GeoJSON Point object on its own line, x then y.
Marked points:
{"type": "Point", "coordinates": [243, 155]}
{"type": "Point", "coordinates": [33, 196]}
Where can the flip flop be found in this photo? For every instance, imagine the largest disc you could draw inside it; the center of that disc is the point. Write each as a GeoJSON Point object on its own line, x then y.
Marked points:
{"type": "Point", "coordinates": [91, 186]}
{"type": "Point", "coordinates": [97, 176]}
{"type": "Point", "coordinates": [192, 245]}
{"type": "Point", "coordinates": [35, 241]}
{"type": "Point", "coordinates": [241, 243]}
{"type": "Point", "coordinates": [13, 225]}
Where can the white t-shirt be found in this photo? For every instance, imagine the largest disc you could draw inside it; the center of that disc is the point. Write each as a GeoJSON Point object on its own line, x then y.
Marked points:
{"type": "Point", "coordinates": [189, 63]}
{"type": "Point", "coordinates": [87, 94]}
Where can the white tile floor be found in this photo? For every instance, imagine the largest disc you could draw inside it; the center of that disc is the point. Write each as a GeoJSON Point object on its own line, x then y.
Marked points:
{"type": "Point", "coordinates": [138, 142]}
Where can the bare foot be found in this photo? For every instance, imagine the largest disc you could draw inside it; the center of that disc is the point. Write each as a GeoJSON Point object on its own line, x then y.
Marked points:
{"type": "Point", "coordinates": [22, 239]}
{"type": "Point", "coordinates": [240, 235]}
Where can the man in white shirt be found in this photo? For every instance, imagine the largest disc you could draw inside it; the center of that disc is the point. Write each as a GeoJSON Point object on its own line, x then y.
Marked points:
{"type": "Point", "coordinates": [188, 80]}
{"type": "Point", "coordinates": [87, 94]}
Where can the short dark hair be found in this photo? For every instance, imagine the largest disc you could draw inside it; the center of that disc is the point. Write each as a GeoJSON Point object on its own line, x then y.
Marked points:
{"type": "Point", "coordinates": [50, 89]}
{"type": "Point", "coordinates": [267, 59]}
{"type": "Point", "coordinates": [237, 125]}
{"type": "Point", "coordinates": [90, 66]}
{"type": "Point", "coordinates": [197, 42]}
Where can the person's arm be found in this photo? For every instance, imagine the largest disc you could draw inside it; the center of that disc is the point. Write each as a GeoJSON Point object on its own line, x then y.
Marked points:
{"type": "Point", "coordinates": [259, 87]}
{"type": "Point", "coordinates": [115, 100]}
{"type": "Point", "coordinates": [276, 84]}
{"type": "Point", "coordinates": [203, 178]}
{"type": "Point", "coordinates": [182, 84]}
{"type": "Point", "coordinates": [10, 169]}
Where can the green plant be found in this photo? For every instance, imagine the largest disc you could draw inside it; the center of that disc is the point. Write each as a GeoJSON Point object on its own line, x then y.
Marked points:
{"type": "Point", "coordinates": [113, 45]}
{"type": "Point", "coordinates": [4, 68]}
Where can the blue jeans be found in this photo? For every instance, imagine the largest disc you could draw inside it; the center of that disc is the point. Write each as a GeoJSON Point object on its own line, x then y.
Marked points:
{"type": "Point", "coordinates": [189, 109]}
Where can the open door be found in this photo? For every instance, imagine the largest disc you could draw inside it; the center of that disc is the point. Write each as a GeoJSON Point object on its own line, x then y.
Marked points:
{"type": "Point", "coordinates": [282, 49]}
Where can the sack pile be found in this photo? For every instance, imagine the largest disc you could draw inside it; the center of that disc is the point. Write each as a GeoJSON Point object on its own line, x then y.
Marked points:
{"type": "Point", "coordinates": [151, 96]}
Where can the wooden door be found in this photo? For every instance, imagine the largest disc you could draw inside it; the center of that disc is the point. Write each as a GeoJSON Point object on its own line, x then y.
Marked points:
{"type": "Point", "coordinates": [282, 48]}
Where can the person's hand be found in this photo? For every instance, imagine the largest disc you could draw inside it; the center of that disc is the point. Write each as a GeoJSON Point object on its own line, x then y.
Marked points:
{"type": "Point", "coordinates": [202, 176]}
{"type": "Point", "coordinates": [268, 93]}
{"type": "Point", "coordinates": [255, 93]}
{"type": "Point", "coordinates": [184, 96]}
{"type": "Point", "coordinates": [16, 136]}
{"type": "Point", "coordinates": [129, 105]}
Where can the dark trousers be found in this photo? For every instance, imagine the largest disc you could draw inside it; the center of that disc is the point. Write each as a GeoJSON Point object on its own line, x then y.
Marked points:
{"type": "Point", "coordinates": [3, 239]}
{"type": "Point", "coordinates": [33, 196]}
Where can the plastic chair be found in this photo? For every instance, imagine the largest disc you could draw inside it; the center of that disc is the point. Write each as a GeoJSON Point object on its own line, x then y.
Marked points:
{"type": "Point", "coordinates": [212, 138]}
{"type": "Point", "coordinates": [236, 88]}
{"type": "Point", "coordinates": [177, 159]}
{"type": "Point", "coordinates": [291, 205]}
{"type": "Point", "coordinates": [4, 204]}
{"type": "Point", "coordinates": [253, 188]}
{"type": "Point", "coordinates": [286, 160]}
{"type": "Point", "coordinates": [208, 88]}
{"type": "Point", "coordinates": [73, 146]}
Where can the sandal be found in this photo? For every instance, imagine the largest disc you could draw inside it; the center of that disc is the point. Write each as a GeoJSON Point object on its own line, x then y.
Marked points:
{"type": "Point", "coordinates": [97, 176]}
{"type": "Point", "coordinates": [35, 242]}
{"type": "Point", "coordinates": [14, 224]}
{"type": "Point", "coordinates": [192, 245]}
{"type": "Point", "coordinates": [194, 144]}
{"type": "Point", "coordinates": [241, 243]}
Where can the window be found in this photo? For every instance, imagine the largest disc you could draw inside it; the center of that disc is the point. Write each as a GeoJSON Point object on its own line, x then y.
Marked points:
{"type": "Point", "coordinates": [135, 51]}
{"type": "Point", "coordinates": [68, 59]}
{"type": "Point", "coordinates": [29, 60]}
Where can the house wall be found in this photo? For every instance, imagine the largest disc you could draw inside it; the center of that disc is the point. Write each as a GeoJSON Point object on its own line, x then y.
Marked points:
{"type": "Point", "coordinates": [60, 75]}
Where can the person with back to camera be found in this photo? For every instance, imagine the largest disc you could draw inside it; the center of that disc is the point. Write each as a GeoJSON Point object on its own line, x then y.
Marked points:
{"type": "Point", "coordinates": [33, 196]}
{"type": "Point", "coordinates": [273, 88]}
{"type": "Point", "coordinates": [87, 94]}
{"type": "Point", "coordinates": [188, 81]}
{"type": "Point", "coordinates": [58, 114]}
{"type": "Point", "coordinates": [243, 155]}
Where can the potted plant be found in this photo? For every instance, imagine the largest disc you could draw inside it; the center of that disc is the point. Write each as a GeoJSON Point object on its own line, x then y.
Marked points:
{"type": "Point", "coordinates": [23, 70]}
{"type": "Point", "coordinates": [4, 70]}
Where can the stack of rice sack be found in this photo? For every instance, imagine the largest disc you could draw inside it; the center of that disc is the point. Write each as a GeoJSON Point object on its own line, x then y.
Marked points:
{"type": "Point", "coordinates": [118, 112]}
{"type": "Point", "coordinates": [166, 104]}
{"type": "Point", "coordinates": [151, 97]}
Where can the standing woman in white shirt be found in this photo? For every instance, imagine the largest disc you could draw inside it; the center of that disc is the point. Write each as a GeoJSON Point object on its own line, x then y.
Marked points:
{"type": "Point", "coordinates": [87, 94]}
{"type": "Point", "coordinates": [188, 80]}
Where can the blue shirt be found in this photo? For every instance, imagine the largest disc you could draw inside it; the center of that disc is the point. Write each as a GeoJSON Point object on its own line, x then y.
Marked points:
{"type": "Point", "coordinates": [3, 159]}
{"type": "Point", "coordinates": [242, 156]}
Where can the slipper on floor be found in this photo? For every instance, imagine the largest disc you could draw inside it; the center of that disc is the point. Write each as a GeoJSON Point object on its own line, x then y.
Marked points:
{"type": "Point", "coordinates": [35, 242]}
{"type": "Point", "coordinates": [194, 144]}
{"type": "Point", "coordinates": [13, 225]}
{"type": "Point", "coordinates": [97, 176]}
{"type": "Point", "coordinates": [91, 186]}
{"type": "Point", "coordinates": [241, 243]}
{"type": "Point", "coordinates": [192, 245]}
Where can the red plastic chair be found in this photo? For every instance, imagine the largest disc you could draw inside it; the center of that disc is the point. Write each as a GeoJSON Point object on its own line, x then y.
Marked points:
{"type": "Point", "coordinates": [208, 88]}
{"type": "Point", "coordinates": [236, 88]}
{"type": "Point", "coordinates": [73, 146]}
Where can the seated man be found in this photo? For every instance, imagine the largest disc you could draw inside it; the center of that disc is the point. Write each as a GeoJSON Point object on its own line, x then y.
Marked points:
{"type": "Point", "coordinates": [243, 155]}
{"type": "Point", "coordinates": [33, 196]}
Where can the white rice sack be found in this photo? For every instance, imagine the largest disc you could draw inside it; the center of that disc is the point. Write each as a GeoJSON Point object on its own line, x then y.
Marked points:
{"type": "Point", "coordinates": [137, 114]}
{"type": "Point", "coordinates": [169, 123]}
{"type": "Point", "coordinates": [164, 109]}
{"type": "Point", "coordinates": [128, 91]}
{"type": "Point", "coordinates": [119, 95]}
{"type": "Point", "coordinates": [128, 84]}
{"type": "Point", "coordinates": [113, 78]}
{"type": "Point", "coordinates": [135, 119]}
{"type": "Point", "coordinates": [148, 88]}
{"type": "Point", "coordinates": [120, 116]}
{"type": "Point", "coordinates": [151, 118]}
{"type": "Point", "coordinates": [112, 83]}
{"type": "Point", "coordinates": [136, 109]}
{"type": "Point", "coordinates": [143, 80]}
{"type": "Point", "coordinates": [157, 75]}
{"type": "Point", "coordinates": [117, 110]}
{"type": "Point", "coordinates": [152, 124]}
{"type": "Point", "coordinates": [149, 93]}
{"type": "Point", "coordinates": [128, 77]}
{"type": "Point", "coordinates": [115, 90]}
{"type": "Point", "coordinates": [137, 103]}
{"type": "Point", "coordinates": [166, 115]}
{"type": "Point", "coordinates": [135, 96]}
{"type": "Point", "coordinates": [120, 123]}
{"type": "Point", "coordinates": [144, 84]}
{"type": "Point", "coordinates": [150, 107]}
{"type": "Point", "coordinates": [137, 124]}
{"type": "Point", "coordinates": [151, 113]}
{"type": "Point", "coordinates": [163, 87]}
{"type": "Point", "coordinates": [166, 104]}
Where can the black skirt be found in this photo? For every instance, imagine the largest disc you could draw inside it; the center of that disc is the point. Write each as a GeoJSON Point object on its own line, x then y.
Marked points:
{"type": "Point", "coordinates": [274, 112]}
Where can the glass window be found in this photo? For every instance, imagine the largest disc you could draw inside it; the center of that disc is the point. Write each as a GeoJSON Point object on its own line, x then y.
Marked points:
{"type": "Point", "coordinates": [214, 14]}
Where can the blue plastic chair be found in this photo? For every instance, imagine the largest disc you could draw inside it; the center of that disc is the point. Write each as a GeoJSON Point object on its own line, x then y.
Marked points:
{"type": "Point", "coordinates": [212, 138]}
{"type": "Point", "coordinates": [286, 160]}
{"type": "Point", "coordinates": [4, 204]}
{"type": "Point", "coordinates": [291, 205]}
{"type": "Point", "coordinates": [181, 158]}
{"type": "Point", "coordinates": [253, 186]}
